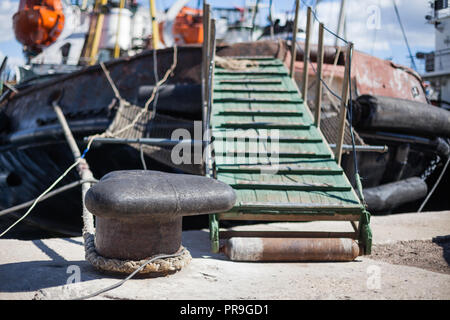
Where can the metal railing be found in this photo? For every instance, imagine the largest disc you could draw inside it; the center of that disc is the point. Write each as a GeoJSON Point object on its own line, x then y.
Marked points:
{"type": "Point", "coordinates": [208, 56]}
{"type": "Point", "coordinates": [345, 93]}
{"type": "Point", "coordinates": [345, 97]}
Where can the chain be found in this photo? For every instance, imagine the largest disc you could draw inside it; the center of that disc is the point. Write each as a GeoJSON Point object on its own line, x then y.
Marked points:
{"type": "Point", "coordinates": [433, 165]}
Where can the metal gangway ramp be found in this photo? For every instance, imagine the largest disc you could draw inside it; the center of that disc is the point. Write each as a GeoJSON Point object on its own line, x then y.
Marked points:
{"type": "Point", "coordinates": [267, 145]}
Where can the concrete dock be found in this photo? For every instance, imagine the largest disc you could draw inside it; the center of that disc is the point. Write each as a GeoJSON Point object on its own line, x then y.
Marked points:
{"type": "Point", "coordinates": [406, 264]}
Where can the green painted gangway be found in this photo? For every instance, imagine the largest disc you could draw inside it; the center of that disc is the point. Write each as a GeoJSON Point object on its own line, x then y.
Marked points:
{"type": "Point", "coordinates": [266, 146]}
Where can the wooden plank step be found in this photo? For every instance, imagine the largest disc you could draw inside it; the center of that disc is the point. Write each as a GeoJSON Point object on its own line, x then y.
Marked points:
{"type": "Point", "coordinates": [260, 112]}
{"type": "Point", "coordinates": [287, 216]}
{"type": "Point", "coordinates": [256, 153]}
{"type": "Point", "coordinates": [251, 57]}
{"type": "Point", "coordinates": [293, 206]}
{"type": "Point", "coordinates": [279, 168]}
{"type": "Point", "coordinates": [254, 90]}
{"type": "Point", "coordinates": [266, 64]}
{"type": "Point", "coordinates": [267, 185]}
{"type": "Point", "coordinates": [250, 136]}
{"type": "Point", "coordinates": [250, 81]}
{"type": "Point", "coordinates": [264, 125]}
{"type": "Point", "coordinates": [256, 72]}
{"type": "Point", "coordinates": [256, 100]}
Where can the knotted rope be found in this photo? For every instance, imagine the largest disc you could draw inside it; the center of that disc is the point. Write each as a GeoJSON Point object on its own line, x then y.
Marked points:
{"type": "Point", "coordinates": [235, 64]}
{"type": "Point", "coordinates": [161, 266]}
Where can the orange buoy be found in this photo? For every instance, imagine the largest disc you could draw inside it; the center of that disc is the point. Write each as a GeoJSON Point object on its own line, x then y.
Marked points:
{"type": "Point", "coordinates": [38, 23]}
{"type": "Point", "coordinates": [187, 27]}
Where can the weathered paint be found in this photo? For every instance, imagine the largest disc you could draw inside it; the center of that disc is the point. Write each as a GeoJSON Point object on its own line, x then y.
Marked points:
{"type": "Point", "coordinates": [370, 75]}
{"type": "Point", "coordinates": [375, 76]}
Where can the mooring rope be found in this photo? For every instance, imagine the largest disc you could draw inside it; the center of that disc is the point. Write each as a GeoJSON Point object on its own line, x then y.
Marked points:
{"type": "Point", "coordinates": [147, 103]}
{"type": "Point", "coordinates": [112, 84]}
{"type": "Point", "coordinates": [182, 252]}
{"type": "Point", "coordinates": [234, 64]}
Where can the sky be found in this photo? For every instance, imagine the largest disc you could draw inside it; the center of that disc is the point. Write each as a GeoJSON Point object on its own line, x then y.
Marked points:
{"type": "Point", "coordinates": [371, 25]}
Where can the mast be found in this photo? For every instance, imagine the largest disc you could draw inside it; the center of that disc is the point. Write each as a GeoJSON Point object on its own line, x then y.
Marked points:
{"type": "Point", "coordinates": [117, 46]}
{"type": "Point", "coordinates": [255, 12]}
{"type": "Point", "coordinates": [90, 50]}
{"type": "Point", "coordinates": [341, 21]}
{"type": "Point", "coordinates": [155, 30]}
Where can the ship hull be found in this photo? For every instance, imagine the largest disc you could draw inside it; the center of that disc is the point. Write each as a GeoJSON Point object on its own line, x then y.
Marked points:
{"type": "Point", "coordinates": [33, 150]}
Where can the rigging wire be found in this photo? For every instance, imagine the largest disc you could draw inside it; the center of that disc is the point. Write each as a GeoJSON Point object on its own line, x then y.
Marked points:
{"type": "Point", "coordinates": [413, 63]}
{"type": "Point", "coordinates": [42, 195]}
{"type": "Point", "coordinates": [314, 13]}
{"type": "Point", "coordinates": [321, 79]}
{"type": "Point", "coordinates": [48, 195]}
{"type": "Point", "coordinates": [374, 40]}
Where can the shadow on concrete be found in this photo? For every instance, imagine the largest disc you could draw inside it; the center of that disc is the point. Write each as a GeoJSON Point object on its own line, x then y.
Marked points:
{"type": "Point", "coordinates": [199, 245]}
{"type": "Point", "coordinates": [52, 254]}
{"type": "Point", "coordinates": [80, 243]}
{"type": "Point", "coordinates": [35, 275]}
{"type": "Point", "coordinates": [444, 243]}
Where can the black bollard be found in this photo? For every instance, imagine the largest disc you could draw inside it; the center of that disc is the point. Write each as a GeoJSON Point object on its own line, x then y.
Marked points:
{"type": "Point", "coordinates": [139, 212]}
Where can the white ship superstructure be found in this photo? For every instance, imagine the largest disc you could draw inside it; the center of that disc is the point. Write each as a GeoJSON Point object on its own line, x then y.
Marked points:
{"type": "Point", "coordinates": [437, 63]}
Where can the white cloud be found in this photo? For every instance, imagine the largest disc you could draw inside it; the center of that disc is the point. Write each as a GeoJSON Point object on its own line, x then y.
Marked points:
{"type": "Point", "coordinates": [7, 10]}
{"type": "Point", "coordinates": [362, 17]}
